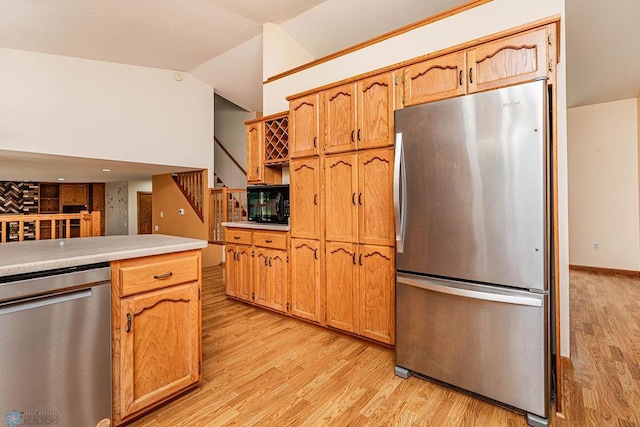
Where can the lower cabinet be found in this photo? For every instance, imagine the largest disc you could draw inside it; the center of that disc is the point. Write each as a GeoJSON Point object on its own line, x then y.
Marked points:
{"type": "Point", "coordinates": [271, 273]}
{"type": "Point", "coordinates": [360, 283]}
{"type": "Point", "coordinates": [157, 330]}
{"type": "Point", "coordinates": [238, 266]}
{"type": "Point", "coordinates": [305, 279]}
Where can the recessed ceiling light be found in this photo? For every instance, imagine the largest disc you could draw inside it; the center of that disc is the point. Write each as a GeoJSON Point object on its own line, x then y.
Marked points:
{"type": "Point", "coordinates": [60, 179]}
{"type": "Point", "coordinates": [106, 170]}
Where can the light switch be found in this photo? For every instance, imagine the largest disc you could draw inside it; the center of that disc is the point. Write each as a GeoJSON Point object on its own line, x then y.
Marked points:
{"type": "Point", "coordinates": [161, 216]}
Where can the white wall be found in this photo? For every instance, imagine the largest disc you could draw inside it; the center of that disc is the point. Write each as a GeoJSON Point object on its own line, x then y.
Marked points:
{"type": "Point", "coordinates": [489, 18]}
{"type": "Point", "coordinates": [133, 188]}
{"type": "Point", "coordinates": [116, 208]}
{"type": "Point", "coordinates": [231, 131]}
{"type": "Point", "coordinates": [603, 185]}
{"type": "Point", "coordinates": [280, 52]}
{"type": "Point", "coordinates": [78, 107]}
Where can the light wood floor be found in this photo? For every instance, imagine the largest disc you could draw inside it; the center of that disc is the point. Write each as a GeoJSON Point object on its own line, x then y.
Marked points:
{"type": "Point", "coordinates": [261, 368]}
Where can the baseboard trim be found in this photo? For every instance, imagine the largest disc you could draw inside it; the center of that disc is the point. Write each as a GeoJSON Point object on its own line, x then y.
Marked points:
{"type": "Point", "coordinates": [604, 270]}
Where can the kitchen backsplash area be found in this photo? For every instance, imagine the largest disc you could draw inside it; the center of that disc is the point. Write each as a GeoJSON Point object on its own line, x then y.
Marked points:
{"type": "Point", "coordinates": [18, 197]}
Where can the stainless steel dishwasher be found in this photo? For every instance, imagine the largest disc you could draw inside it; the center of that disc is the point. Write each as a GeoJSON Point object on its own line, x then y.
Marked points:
{"type": "Point", "coordinates": [55, 347]}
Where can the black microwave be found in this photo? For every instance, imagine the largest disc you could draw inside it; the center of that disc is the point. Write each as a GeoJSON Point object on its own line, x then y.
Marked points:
{"type": "Point", "coordinates": [268, 203]}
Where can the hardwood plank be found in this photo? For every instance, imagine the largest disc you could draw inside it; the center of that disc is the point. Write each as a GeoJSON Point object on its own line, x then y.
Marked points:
{"type": "Point", "coordinates": [263, 368]}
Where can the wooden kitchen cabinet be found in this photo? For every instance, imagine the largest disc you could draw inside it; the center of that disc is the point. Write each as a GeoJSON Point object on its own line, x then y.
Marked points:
{"type": "Point", "coordinates": [304, 126]}
{"type": "Point", "coordinates": [74, 194]}
{"type": "Point", "coordinates": [254, 150]}
{"type": "Point", "coordinates": [157, 330]}
{"type": "Point", "coordinates": [359, 115]}
{"type": "Point", "coordinates": [507, 61]}
{"type": "Point", "coordinates": [360, 289]}
{"type": "Point", "coordinates": [160, 346]}
{"type": "Point", "coordinates": [305, 198]}
{"type": "Point", "coordinates": [376, 284]}
{"type": "Point", "coordinates": [305, 279]}
{"type": "Point", "coordinates": [359, 197]}
{"type": "Point", "coordinates": [257, 148]}
{"type": "Point", "coordinates": [238, 269]}
{"type": "Point", "coordinates": [271, 278]}
{"type": "Point", "coordinates": [437, 78]}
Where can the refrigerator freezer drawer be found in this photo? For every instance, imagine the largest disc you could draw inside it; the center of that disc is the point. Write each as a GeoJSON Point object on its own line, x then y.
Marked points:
{"type": "Point", "coordinates": [488, 340]}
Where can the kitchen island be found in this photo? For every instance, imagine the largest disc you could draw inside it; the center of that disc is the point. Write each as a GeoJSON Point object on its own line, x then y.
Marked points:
{"type": "Point", "coordinates": [155, 323]}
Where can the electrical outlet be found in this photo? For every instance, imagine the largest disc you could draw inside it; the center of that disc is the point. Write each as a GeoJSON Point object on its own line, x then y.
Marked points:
{"type": "Point", "coordinates": [596, 246]}
{"type": "Point", "coordinates": [161, 214]}
{"type": "Point", "coordinates": [156, 228]}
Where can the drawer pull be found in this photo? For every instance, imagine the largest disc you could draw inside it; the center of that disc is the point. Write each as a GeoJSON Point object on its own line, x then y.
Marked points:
{"type": "Point", "coordinates": [128, 322]}
{"type": "Point", "coordinates": [163, 276]}
{"type": "Point", "coordinates": [236, 237]}
{"type": "Point", "coordinates": [269, 241]}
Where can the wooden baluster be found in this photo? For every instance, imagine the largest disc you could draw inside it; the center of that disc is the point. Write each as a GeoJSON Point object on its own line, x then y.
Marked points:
{"type": "Point", "coordinates": [68, 231]}
{"type": "Point", "coordinates": [37, 229]}
{"type": "Point", "coordinates": [4, 229]}
{"type": "Point", "coordinates": [54, 225]}
{"type": "Point", "coordinates": [20, 230]}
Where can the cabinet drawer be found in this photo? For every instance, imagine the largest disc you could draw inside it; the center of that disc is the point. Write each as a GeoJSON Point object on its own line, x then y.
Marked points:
{"type": "Point", "coordinates": [233, 235]}
{"type": "Point", "coordinates": [146, 274]}
{"type": "Point", "coordinates": [270, 240]}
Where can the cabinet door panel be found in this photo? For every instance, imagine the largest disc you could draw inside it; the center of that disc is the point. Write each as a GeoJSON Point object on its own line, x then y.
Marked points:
{"type": "Point", "coordinates": [375, 111]}
{"type": "Point", "coordinates": [341, 194]}
{"type": "Point", "coordinates": [375, 197]}
{"type": "Point", "coordinates": [438, 78]}
{"type": "Point", "coordinates": [340, 119]}
{"type": "Point", "coordinates": [230, 268]}
{"type": "Point", "coordinates": [279, 279]}
{"type": "Point", "coordinates": [304, 126]}
{"type": "Point", "coordinates": [254, 150]}
{"type": "Point", "coordinates": [507, 61]}
{"type": "Point", "coordinates": [160, 351]}
{"type": "Point", "coordinates": [377, 294]}
{"type": "Point", "coordinates": [305, 279]}
{"type": "Point", "coordinates": [244, 273]}
{"type": "Point", "coordinates": [261, 273]}
{"type": "Point", "coordinates": [341, 283]}
{"type": "Point", "coordinates": [305, 198]}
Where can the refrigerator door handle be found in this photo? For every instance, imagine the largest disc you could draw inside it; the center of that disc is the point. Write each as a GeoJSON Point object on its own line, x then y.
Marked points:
{"type": "Point", "coordinates": [468, 293]}
{"type": "Point", "coordinates": [399, 200]}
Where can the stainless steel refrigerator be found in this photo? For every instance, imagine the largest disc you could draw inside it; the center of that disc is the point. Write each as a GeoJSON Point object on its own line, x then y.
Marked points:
{"type": "Point", "coordinates": [472, 210]}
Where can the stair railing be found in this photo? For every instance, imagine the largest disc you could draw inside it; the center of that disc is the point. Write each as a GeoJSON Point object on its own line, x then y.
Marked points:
{"type": "Point", "coordinates": [226, 205]}
{"type": "Point", "coordinates": [192, 184]}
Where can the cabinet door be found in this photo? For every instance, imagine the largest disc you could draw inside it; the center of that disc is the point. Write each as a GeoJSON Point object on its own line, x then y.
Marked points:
{"type": "Point", "coordinates": [375, 111]}
{"type": "Point", "coordinates": [81, 194]}
{"type": "Point", "coordinates": [304, 127]}
{"type": "Point", "coordinates": [438, 78]}
{"type": "Point", "coordinates": [305, 198]}
{"type": "Point", "coordinates": [305, 279]}
{"type": "Point", "coordinates": [244, 273]}
{"type": "Point", "coordinates": [375, 197]}
{"type": "Point", "coordinates": [278, 279]}
{"type": "Point", "coordinates": [67, 194]}
{"type": "Point", "coordinates": [341, 194]}
{"type": "Point", "coordinates": [254, 150]}
{"type": "Point", "coordinates": [341, 283]}
{"type": "Point", "coordinates": [340, 119]}
{"type": "Point", "coordinates": [230, 270]}
{"type": "Point", "coordinates": [160, 345]}
{"type": "Point", "coordinates": [507, 61]}
{"type": "Point", "coordinates": [377, 293]}
{"type": "Point", "coordinates": [260, 276]}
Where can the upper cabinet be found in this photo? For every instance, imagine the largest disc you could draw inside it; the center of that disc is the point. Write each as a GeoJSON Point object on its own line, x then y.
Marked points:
{"type": "Point", "coordinates": [305, 198]}
{"type": "Point", "coordinates": [503, 62]}
{"type": "Point", "coordinates": [254, 148]}
{"type": "Point", "coordinates": [267, 148]}
{"type": "Point", "coordinates": [359, 115]}
{"type": "Point", "coordinates": [438, 78]}
{"type": "Point", "coordinates": [74, 194]}
{"type": "Point", "coordinates": [304, 127]}
{"type": "Point", "coordinates": [507, 61]}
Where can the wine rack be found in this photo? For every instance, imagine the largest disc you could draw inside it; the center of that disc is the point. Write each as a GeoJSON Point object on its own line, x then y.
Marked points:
{"type": "Point", "coordinates": [276, 141]}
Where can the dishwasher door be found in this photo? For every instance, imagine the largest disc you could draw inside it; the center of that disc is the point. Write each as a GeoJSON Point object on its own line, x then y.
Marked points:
{"type": "Point", "coordinates": [489, 340]}
{"type": "Point", "coordinates": [55, 349]}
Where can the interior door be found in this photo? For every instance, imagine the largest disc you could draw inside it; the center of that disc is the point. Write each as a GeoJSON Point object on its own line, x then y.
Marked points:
{"type": "Point", "coordinates": [145, 218]}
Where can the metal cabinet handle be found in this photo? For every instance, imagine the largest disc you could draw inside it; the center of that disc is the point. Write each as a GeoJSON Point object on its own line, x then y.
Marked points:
{"type": "Point", "coordinates": [270, 259]}
{"type": "Point", "coordinates": [353, 256]}
{"type": "Point", "coordinates": [471, 75]}
{"type": "Point", "coordinates": [353, 198]}
{"type": "Point", "coordinates": [269, 241]}
{"type": "Point", "coordinates": [359, 134]}
{"type": "Point", "coordinates": [265, 261]}
{"type": "Point", "coordinates": [236, 237]}
{"type": "Point", "coordinates": [360, 199]}
{"type": "Point", "coordinates": [128, 322]}
{"type": "Point", "coordinates": [315, 199]}
{"type": "Point", "coordinates": [460, 77]}
{"type": "Point", "coordinates": [236, 256]}
{"type": "Point", "coordinates": [315, 253]}
{"type": "Point", "coordinates": [258, 170]}
{"type": "Point", "coordinates": [163, 276]}
{"type": "Point", "coordinates": [360, 259]}
{"type": "Point", "coordinates": [353, 136]}
{"type": "Point", "coordinates": [315, 142]}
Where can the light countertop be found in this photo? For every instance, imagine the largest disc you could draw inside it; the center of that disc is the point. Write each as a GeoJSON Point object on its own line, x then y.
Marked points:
{"type": "Point", "coordinates": [40, 255]}
{"type": "Point", "coordinates": [257, 225]}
